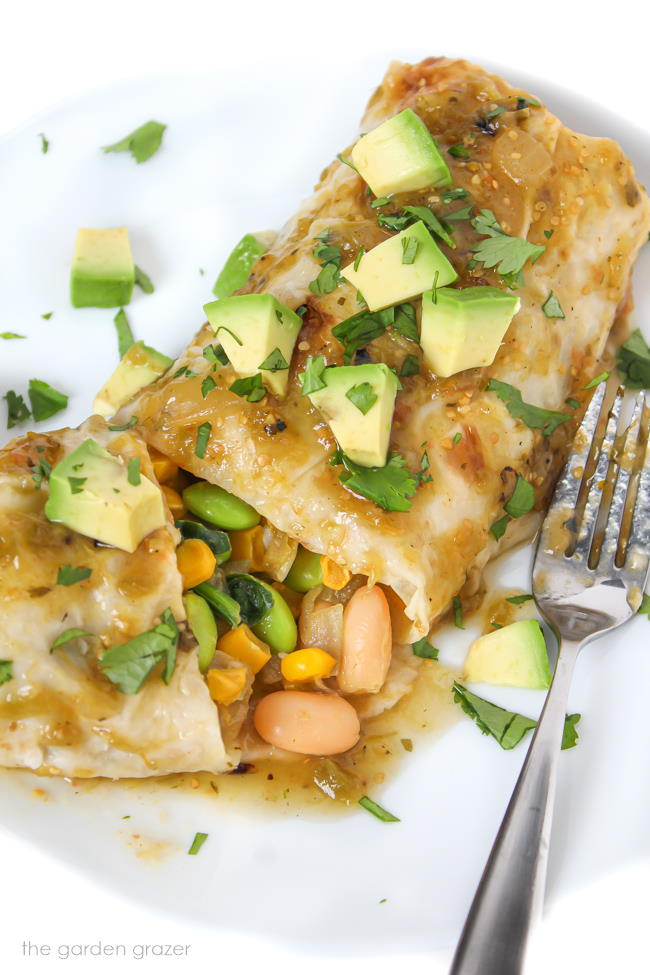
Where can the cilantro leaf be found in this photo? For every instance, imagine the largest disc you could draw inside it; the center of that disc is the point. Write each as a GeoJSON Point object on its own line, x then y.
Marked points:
{"type": "Point", "coordinates": [458, 613]}
{"type": "Point", "coordinates": [215, 354]}
{"type": "Point", "coordinates": [47, 315]}
{"type": "Point", "coordinates": [312, 378]}
{"type": "Point", "coordinates": [362, 396]}
{"type": "Point", "coordinates": [207, 386]}
{"type": "Point", "coordinates": [11, 335]}
{"type": "Point", "coordinates": [40, 472]}
{"type": "Point", "coordinates": [633, 361]}
{"type": "Point", "coordinates": [17, 411]}
{"type": "Point", "coordinates": [45, 142]}
{"type": "Point", "coordinates": [45, 401]}
{"type": "Point", "coordinates": [142, 143]}
{"type": "Point", "coordinates": [534, 417]}
{"type": "Point", "coordinates": [410, 247]}
{"type": "Point", "coordinates": [464, 213]}
{"type": "Point", "coordinates": [197, 843]}
{"type": "Point", "coordinates": [522, 498]}
{"type": "Point", "coordinates": [499, 527]}
{"type": "Point", "coordinates": [390, 486]}
{"type": "Point", "coordinates": [250, 388]}
{"type": "Point", "coordinates": [373, 807]}
{"type": "Point", "coordinates": [274, 362]}
{"type": "Point", "coordinates": [507, 727]}
{"type": "Point", "coordinates": [570, 735]}
{"type": "Point", "coordinates": [125, 426]}
{"type": "Point", "coordinates": [405, 322]}
{"type": "Point", "coordinates": [6, 671]}
{"type": "Point", "coordinates": [69, 574]}
{"type": "Point", "coordinates": [552, 307]}
{"type": "Point", "coordinates": [517, 600]}
{"type": "Point", "coordinates": [597, 380]}
{"type": "Point", "coordinates": [455, 193]}
{"type": "Point", "coordinates": [129, 664]}
{"type": "Point", "coordinates": [422, 648]}
{"type": "Point", "coordinates": [431, 222]}
{"type": "Point", "coordinates": [644, 608]}
{"type": "Point", "coordinates": [393, 221]}
{"type": "Point", "coordinates": [202, 437]}
{"type": "Point", "coordinates": [143, 280]}
{"type": "Point", "coordinates": [508, 254]}
{"type": "Point", "coordinates": [124, 334]}
{"type": "Point", "coordinates": [458, 151]}
{"type": "Point", "coordinates": [76, 484]}
{"type": "Point", "coordinates": [410, 366]}
{"type": "Point", "coordinates": [356, 332]}
{"type": "Point", "coordinates": [329, 257]}
{"type": "Point", "coordinates": [423, 476]}
{"type": "Point", "coordinates": [133, 471]}
{"type": "Point", "coordinates": [72, 634]}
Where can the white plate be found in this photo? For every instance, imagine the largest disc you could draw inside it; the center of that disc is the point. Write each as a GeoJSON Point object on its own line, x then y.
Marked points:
{"type": "Point", "coordinates": [235, 160]}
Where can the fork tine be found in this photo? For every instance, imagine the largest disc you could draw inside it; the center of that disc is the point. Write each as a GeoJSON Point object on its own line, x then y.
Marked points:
{"type": "Point", "coordinates": [595, 490]}
{"type": "Point", "coordinates": [638, 555]}
{"type": "Point", "coordinates": [567, 488]}
{"type": "Point", "coordinates": [619, 495]}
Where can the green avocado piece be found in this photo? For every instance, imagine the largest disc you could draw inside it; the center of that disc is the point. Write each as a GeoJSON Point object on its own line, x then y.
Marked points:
{"type": "Point", "coordinates": [234, 274]}
{"type": "Point", "coordinates": [256, 330]}
{"type": "Point", "coordinates": [513, 656]}
{"type": "Point", "coordinates": [139, 366]}
{"type": "Point", "coordinates": [384, 279]}
{"type": "Point", "coordinates": [400, 156]}
{"type": "Point", "coordinates": [203, 625]}
{"type": "Point", "coordinates": [464, 327]}
{"type": "Point", "coordinates": [103, 272]}
{"type": "Point", "coordinates": [358, 404]}
{"type": "Point", "coordinates": [90, 492]}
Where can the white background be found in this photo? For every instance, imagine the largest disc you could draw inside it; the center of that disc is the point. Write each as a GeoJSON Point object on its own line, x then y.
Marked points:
{"type": "Point", "coordinates": [53, 50]}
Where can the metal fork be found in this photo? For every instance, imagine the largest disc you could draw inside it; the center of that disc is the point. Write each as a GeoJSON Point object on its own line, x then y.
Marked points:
{"type": "Point", "coordinates": [584, 588]}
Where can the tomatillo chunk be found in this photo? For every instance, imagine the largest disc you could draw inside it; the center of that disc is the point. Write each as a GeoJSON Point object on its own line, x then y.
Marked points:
{"type": "Point", "coordinates": [216, 540]}
{"type": "Point", "coordinates": [223, 604]}
{"type": "Point", "coordinates": [306, 571]}
{"type": "Point", "coordinates": [275, 625]}
{"type": "Point", "coordinates": [203, 625]}
{"type": "Point", "coordinates": [219, 507]}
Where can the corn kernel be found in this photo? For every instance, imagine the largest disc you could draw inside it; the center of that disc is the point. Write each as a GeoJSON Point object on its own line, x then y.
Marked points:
{"type": "Point", "coordinates": [334, 576]}
{"type": "Point", "coordinates": [312, 663]}
{"type": "Point", "coordinates": [196, 562]}
{"type": "Point", "coordinates": [163, 467]}
{"type": "Point", "coordinates": [248, 545]}
{"type": "Point", "coordinates": [242, 644]}
{"type": "Point", "coordinates": [225, 686]}
{"type": "Point", "coordinates": [174, 502]}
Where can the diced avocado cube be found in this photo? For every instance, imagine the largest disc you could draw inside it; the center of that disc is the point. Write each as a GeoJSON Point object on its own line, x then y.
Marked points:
{"type": "Point", "coordinates": [358, 403]}
{"type": "Point", "coordinates": [513, 656]}
{"type": "Point", "coordinates": [139, 366]}
{"type": "Point", "coordinates": [382, 277]}
{"type": "Point", "coordinates": [399, 156]}
{"type": "Point", "coordinates": [234, 273]}
{"type": "Point", "coordinates": [252, 328]}
{"type": "Point", "coordinates": [90, 492]}
{"type": "Point", "coordinates": [103, 272]}
{"type": "Point", "coordinates": [464, 327]}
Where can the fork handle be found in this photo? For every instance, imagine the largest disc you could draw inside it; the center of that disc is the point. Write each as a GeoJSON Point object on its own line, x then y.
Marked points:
{"type": "Point", "coordinates": [510, 894]}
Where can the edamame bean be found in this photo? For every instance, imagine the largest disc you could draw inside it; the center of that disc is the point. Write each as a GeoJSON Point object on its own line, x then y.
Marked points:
{"type": "Point", "coordinates": [306, 572]}
{"type": "Point", "coordinates": [277, 627]}
{"type": "Point", "coordinates": [203, 625]}
{"type": "Point", "coordinates": [219, 507]}
{"type": "Point", "coordinates": [310, 723]}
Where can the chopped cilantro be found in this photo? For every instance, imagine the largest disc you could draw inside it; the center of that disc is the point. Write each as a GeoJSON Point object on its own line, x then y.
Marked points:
{"type": "Point", "coordinates": [133, 471]}
{"type": "Point", "coordinates": [40, 472]}
{"type": "Point", "coordinates": [522, 498]}
{"type": "Point", "coordinates": [381, 201]}
{"type": "Point", "coordinates": [393, 221]}
{"type": "Point", "coordinates": [215, 354]}
{"type": "Point", "coordinates": [124, 334]}
{"type": "Point", "coordinates": [422, 648]}
{"type": "Point", "coordinates": [573, 403]}
{"type": "Point", "coordinates": [372, 807]}
{"type": "Point", "coordinates": [47, 315]}
{"type": "Point", "coordinates": [390, 486]}
{"type": "Point", "coordinates": [77, 484]}
{"type": "Point", "coordinates": [72, 634]}
{"type": "Point", "coordinates": [644, 608]}
{"type": "Point", "coordinates": [356, 332]}
{"type": "Point", "coordinates": [274, 362]}
{"type": "Point", "coordinates": [312, 378]}
{"type": "Point", "coordinates": [11, 335]}
{"type": "Point", "coordinates": [69, 574]}
{"type": "Point", "coordinates": [6, 671]}
{"type": "Point", "coordinates": [359, 255]}
{"type": "Point", "coordinates": [523, 100]}
{"type": "Point", "coordinates": [533, 416]}
{"type": "Point", "coordinates": [405, 322]}
{"type": "Point", "coordinates": [570, 735]}
{"type": "Point", "coordinates": [458, 151]}
{"type": "Point", "coordinates": [143, 280]}
{"type": "Point", "coordinates": [423, 476]}
{"type": "Point", "coordinates": [430, 220]}
{"type": "Point", "coordinates": [45, 401]}
{"type": "Point", "coordinates": [197, 843]}
{"type": "Point", "coordinates": [457, 438]}
{"type": "Point", "coordinates": [507, 727]}
{"type": "Point", "coordinates": [552, 307]}
{"type": "Point", "coordinates": [597, 380]}
{"type": "Point", "coordinates": [455, 193]}
{"type": "Point", "coordinates": [125, 426]}
{"type": "Point", "coordinates": [633, 361]}
{"type": "Point", "coordinates": [548, 234]}
{"type": "Point", "coordinates": [142, 143]}
{"type": "Point", "coordinates": [129, 664]}
{"type": "Point", "coordinates": [250, 388]}
{"type": "Point", "coordinates": [202, 437]}
{"type": "Point", "coordinates": [498, 249]}
{"type": "Point", "coordinates": [458, 612]}
{"type": "Point", "coordinates": [463, 214]}
{"type": "Point", "coordinates": [362, 396]}
{"type": "Point", "coordinates": [410, 366]}
{"type": "Point", "coordinates": [499, 527]}
{"type": "Point", "coordinates": [410, 246]}
{"type": "Point", "coordinates": [17, 411]}
{"type": "Point", "coordinates": [518, 600]}
{"type": "Point", "coordinates": [346, 162]}
{"type": "Point", "coordinates": [329, 257]}
{"type": "Point", "coordinates": [45, 142]}
{"type": "Point", "coordinates": [207, 386]}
